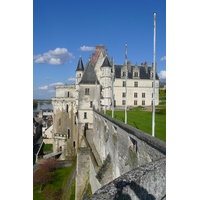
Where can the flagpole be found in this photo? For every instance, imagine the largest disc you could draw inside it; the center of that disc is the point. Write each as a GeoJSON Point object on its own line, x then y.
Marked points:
{"type": "Point", "coordinates": [154, 58]}
{"type": "Point", "coordinates": [105, 91]}
{"type": "Point", "coordinates": [113, 92]}
{"type": "Point", "coordinates": [126, 85]}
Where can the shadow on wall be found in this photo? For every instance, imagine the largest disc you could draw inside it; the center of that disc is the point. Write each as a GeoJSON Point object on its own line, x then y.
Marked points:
{"type": "Point", "coordinates": [139, 191]}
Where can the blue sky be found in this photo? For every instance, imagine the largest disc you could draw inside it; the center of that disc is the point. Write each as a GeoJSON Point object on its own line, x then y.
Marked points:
{"type": "Point", "coordinates": [61, 28]}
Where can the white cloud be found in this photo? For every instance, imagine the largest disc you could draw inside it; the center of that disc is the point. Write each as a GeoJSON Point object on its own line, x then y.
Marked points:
{"type": "Point", "coordinates": [162, 74]}
{"type": "Point", "coordinates": [47, 78]}
{"type": "Point", "coordinates": [71, 79]}
{"type": "Point", "coordinates": [163, 58]}
{"type": "Point", "coordinates": [45, 87]}
{"type": "Point", "coordinates": [54, 84]}
{"type": "Point", "coordinates": [87, 48]}
{"type": "Point", "coordinates": [54, 57]}
{"type": "Point", "coordinates": [51, 91]}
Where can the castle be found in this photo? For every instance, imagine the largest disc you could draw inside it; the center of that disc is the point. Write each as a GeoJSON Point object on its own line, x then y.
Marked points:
{"type": "Point", "coordinates": [96, 83]}
{"type": "Point", "coordinates": [109, 152]}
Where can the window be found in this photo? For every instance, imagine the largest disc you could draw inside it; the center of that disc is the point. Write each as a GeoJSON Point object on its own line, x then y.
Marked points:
{"type": "Point", "coordinates": [86, 91]}
{"type": "Point", "coordinates": [68, 94]}
{"type": "Point", "coordinates": [135, 102]}
{"type": "Point", "coordinates": [74, 143]}
{"type": "Point", "coordinates": [68, 133]}
{"type": "Point", "coordinates": [152, 95]}
{"type": "Point", "coordinates": [124, 83]}
{"type": "Point", "coordinates": [143, 102]}
{"type": "Point", "coordinates": [135, 84]}
{"type": "Point", "coordinates": [135, 95]}
{"type": "Point", "coordinates": [90, 104]}
{"type": "Point", "coordinates": [124, 73]}
{"type": "Point", "coordinates": [152, 84]}
{"type": "Point", "coordinates": [67, 108]}
{"type": "Point", "coordinates": [80, 74]}
{"type": "Point", "coordinates": [59, 122]}
{"type": "Point", "coordinates": [143, 95]}
{"type": "Point", "coordinates": [85, 115]}
{"type": "Point", "coordinates": [152, 103]}
{"type": "Point", "coordinates": [123, 94]}
{"type": "Point", "coordinates": [136, 74]}
{"type": "Point", "coordinates": [123, 102]}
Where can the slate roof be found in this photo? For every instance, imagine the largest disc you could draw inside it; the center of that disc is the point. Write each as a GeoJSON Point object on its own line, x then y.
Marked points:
{"type": "Point", "coordinates": [143, 74]}
{"type": "Point", "coordinates": [106, 63]}
{"type": "Point", "coordinates": [80, 65]}
{"type": "Point", "coordinates": [89, 76]}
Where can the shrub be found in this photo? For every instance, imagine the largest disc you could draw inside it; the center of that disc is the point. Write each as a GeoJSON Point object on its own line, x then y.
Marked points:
{"type": "Point", "coordinates": [41, 177]}
{"type": "Point", "coordinates": [160, 111]}
{"type": "Point", "coordinates": [51, 164]}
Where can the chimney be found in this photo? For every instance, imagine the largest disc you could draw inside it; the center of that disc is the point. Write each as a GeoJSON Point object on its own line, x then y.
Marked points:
{"type": "Point", "coordinates": [146, 67]}
{"type": "Point", "coordinates": [129, 66]}
{"type": "Point", "coordinates": [93, 58]}
{"type": "Point", "coordinates": [97, 51]}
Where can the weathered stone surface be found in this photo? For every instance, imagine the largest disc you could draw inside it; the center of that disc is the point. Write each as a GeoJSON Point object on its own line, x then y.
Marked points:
{"type": "Point", "coordinates": [145, 182]}
{"type": "Point", "coordinates": [82, 177]}
{"type": "Point", "coordinates": [127, 147]}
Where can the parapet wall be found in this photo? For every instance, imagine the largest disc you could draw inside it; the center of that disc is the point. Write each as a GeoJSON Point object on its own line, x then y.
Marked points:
{"type": "Point", "coordinates": [127, 147]}
{"type": "Point", "coordinates": [145, 182]}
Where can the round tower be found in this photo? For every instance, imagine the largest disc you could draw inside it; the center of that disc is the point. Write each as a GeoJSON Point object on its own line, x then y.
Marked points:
{"type": "Point", "coordinates": [79, 75]}
{"type": "Point", "coordinates": [106, 82]}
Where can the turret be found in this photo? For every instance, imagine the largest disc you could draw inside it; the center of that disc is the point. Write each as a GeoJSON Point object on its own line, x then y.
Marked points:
{"type": "Point", "coordinates": [106, 80]}
{"type": "Point", "coordinates": [79, 75]}
{"type": "Point", "coordinates": [79, 70]}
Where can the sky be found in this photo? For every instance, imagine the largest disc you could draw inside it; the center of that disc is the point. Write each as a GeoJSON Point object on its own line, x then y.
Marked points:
{"type": "Point", "coordinates": [30, 28]}
{"type": "Point", "coordinates": [64, 30]}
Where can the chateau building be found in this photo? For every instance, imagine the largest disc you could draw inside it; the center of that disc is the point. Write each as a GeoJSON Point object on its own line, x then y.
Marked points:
{"type": "Point", "coordinates": [73, 104]}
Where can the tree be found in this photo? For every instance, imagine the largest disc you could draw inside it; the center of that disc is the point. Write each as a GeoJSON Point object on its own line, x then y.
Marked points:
{"type": "Point", "coordinates": [35, 103]}
{"type": "Point", "coordinates": [50, 165]}
{"type": "Point", "coordinates": [41, 177]}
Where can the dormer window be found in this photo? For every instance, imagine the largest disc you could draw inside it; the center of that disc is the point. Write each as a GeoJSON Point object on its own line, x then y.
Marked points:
{"type": "Point", "coordinates": [124, 73]}
{"type": "Point", "coordinates": [136, 74]}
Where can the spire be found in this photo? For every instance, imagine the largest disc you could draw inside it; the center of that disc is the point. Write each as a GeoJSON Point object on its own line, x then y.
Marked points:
{"type": "Point", "coordinates": [126, 54]}
{"type": "Point", "coordinates": [106, 62]}
{"type": "Point", "coordinates": [80, 66]}
{"type": "Point", "coordinates": [89, 76]}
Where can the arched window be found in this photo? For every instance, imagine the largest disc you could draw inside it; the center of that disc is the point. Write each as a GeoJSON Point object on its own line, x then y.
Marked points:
{"type": "Point", "coordinates": [74, 144]}
{"type": "Point", "coordinates": [68, 94]}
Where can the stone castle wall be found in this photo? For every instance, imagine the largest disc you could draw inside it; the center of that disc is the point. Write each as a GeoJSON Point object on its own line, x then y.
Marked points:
{"type": "Point", "coordinates": [127, 147]}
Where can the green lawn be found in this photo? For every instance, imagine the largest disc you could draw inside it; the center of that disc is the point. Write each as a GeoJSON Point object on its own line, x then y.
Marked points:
{"type": "Point", "coordinates": [48, 147]}
{"type": "Point", "coordinates": [142, 120]}
{"type": "Point", "coordinates": [61, 176]}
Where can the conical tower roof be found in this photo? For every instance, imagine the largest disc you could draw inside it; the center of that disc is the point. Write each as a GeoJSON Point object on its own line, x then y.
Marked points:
{"type": "Point", "coordinates": [89, 76]}
{"type": "Point", "coordinates": [106, 62]}
{"type": "Point", "coordinates": [80, 65]}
